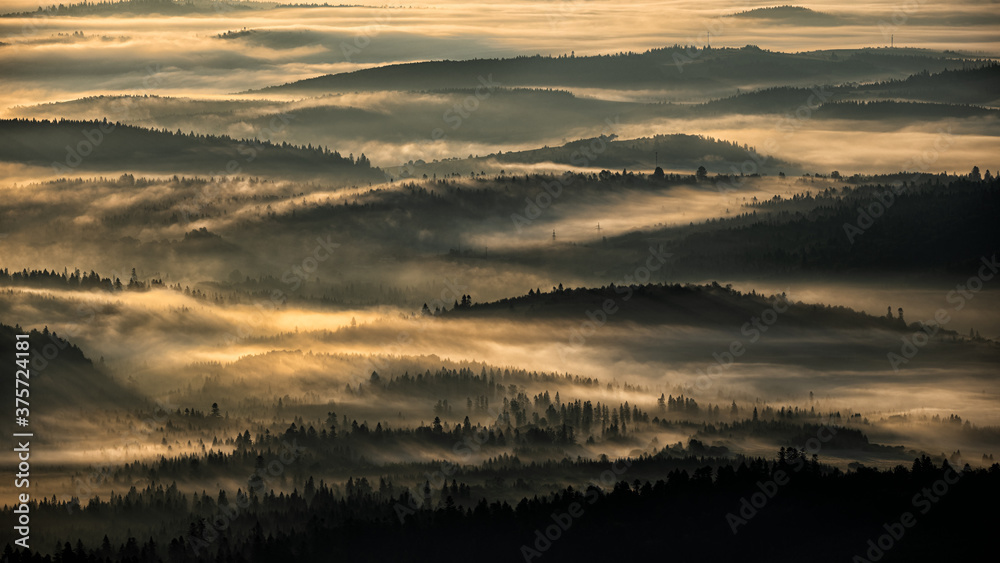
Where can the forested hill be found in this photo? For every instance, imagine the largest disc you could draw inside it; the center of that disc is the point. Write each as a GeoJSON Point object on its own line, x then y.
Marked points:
{"type": "Point", "coordinates": [691, 305]}
{"type": "Point", "coordinates": [671, 152]}
{"type": "Point", "coordinates": [678, 150]}
{"type": "Point", "coordinates": [793, 15]}
{"type": "Point", "coordinates": [949, 90]}
{"type": "Point", "coordinates": [959, 86]}
{"type": "Point", "coordinates": [103, 146]}
{"type": "Point", "coordinates": [60, 378]}
{"type": "Point", "coordinates": [934, 226]}
{"type": "Point", "coordinates": [681, 66]}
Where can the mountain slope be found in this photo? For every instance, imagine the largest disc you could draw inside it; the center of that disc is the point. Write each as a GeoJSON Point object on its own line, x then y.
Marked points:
{"type": "Point", "coordinates": [671, 152]}
{"type": "Point", "coordinates": [669, 67]}
{"type": "Point", "coordinates": [61, 378]}
{"type": "Point", "coordinates": [68, 146]}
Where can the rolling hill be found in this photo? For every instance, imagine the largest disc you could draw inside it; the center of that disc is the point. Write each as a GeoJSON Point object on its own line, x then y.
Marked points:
{"type": "Point", "coordinates": [69, 146]}
{"type": "Point", "coordinates": [703, 70]}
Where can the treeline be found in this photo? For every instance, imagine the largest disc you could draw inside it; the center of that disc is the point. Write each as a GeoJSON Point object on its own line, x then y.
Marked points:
{"type": "Point", "coordinates": [786, 10]}
{"type": "Point", "coordinates": [975, 84]}
{"type": "Point", "coordinates": [17, 124]}
{"type": "Point", "coordinates": [961, 92]}
{"type": "Point", "coordinates": [688, 304]}
{"type": "Point", "coordinates": [709, 67]}
{"type": "Point", "coordinates": [931, 226]}
{"type": "Point", "coordinates": [81, 281]}
{"type": "Point", "coordinates": [342, 446]}
{"type": "Point", "coordinates": [75, 280]}
{"type": "Point", "coordinates": [62, 379]}
{"type": "Point", "coordinates": [891, 109]}
{"type": "Point", "coordinates": [614, 153]}
{"type": "Point", "coordinates": [901, 222]}
{"type": "Point", "coordinates": [70, 145]}
{"type": "Point", "coordinates": [247, 290]}
{"type": "Point", "coordinates": [751, 510]}
{"type": "Point", "coordinates": [156, 7]}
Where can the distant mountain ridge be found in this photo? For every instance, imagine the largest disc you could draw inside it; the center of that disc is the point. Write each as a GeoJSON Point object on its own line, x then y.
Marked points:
{"type": "Point", "coordinates": [952, 88]}
{"type": "Point", "coordinates": [795, 15]}
{"type": "Point", "coordinates": [677, 65]}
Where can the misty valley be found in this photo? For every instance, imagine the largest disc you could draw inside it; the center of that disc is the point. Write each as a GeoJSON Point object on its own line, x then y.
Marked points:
{"type": "Point", "coordinates": [550, 281]}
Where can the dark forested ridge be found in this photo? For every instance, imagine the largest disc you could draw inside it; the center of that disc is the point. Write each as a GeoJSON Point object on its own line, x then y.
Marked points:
{"type": "Point", "coordinates": [676, 151]}
{"type": "Point", "coordinates": [69, 146]}
{"type": "Point", "coordinates": [62, 378]}
{"type": "Point", "coordinates": [956, 86]}
{"type": "Point", "coordinates": [686, 305]}
{"type": "Point", "coordinates": [927, 226]}
{"type": "Point", "coordinates": [946, 92]}
{"type": "Point", "coordinates": [794, 15]}
{"type": "Point", "coordinates": [702, 67]}
{"type": "Point", "coordinates": [919, 223]}
{"type": "Point", "coordinates": [755, 509]}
